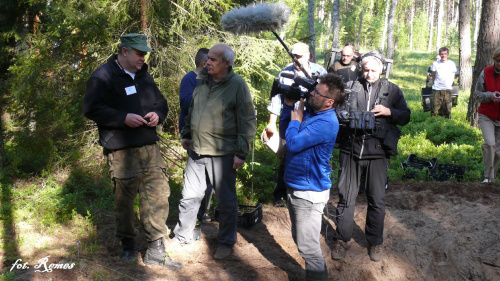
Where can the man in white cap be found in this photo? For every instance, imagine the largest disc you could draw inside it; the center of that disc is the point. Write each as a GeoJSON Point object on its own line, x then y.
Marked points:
{"type": "Point", "coordinates": [125, 102]}
{"type": "Point", "coordinates": [282, 107]}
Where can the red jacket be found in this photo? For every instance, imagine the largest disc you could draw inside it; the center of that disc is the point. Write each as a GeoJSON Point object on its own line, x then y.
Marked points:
{"type": "Point", "coordinates": [492, 84]}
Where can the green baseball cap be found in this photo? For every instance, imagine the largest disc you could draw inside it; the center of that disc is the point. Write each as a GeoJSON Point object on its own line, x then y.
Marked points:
{"type": "Point", "coordinates": [136, 41]}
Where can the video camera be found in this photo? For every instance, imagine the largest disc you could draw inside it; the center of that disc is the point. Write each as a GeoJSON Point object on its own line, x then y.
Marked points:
{"type": "Point", "coordinates": [351, 117]}
{"type": "Point", "coordinates": [300, 88]}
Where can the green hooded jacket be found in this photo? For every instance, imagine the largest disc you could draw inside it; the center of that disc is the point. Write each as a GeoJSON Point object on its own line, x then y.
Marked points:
{"type": "Point", "coordinates": [221, 120]}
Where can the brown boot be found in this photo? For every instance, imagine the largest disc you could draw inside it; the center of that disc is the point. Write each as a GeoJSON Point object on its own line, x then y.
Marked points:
{"type": "Point", "coordinates": [223, 252]}
{"type": "Point", "coordinates": [339, 249]}
{"type": "Point", "coordinates": [375, 252]}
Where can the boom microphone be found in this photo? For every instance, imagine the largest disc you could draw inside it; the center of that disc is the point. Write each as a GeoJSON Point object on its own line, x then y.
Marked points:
{"type": "Point", "coordinates": [258, 18]}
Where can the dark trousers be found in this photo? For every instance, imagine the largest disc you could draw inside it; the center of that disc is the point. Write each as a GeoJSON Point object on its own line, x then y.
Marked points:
{"type": "Point", "coordinates": [280, 187]}
{"type": "Point", "coordinates": [140, 170]}
{"type": "Point", "coordinates": [205, 203]}
{"type": "Point", "coordinates": [350, 173]}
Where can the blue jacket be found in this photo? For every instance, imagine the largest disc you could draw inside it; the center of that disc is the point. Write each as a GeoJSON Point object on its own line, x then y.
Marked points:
{"type": "Point", "coordinates": [188, 84]}
{"type": "Point", "coordinates": [310, 145]}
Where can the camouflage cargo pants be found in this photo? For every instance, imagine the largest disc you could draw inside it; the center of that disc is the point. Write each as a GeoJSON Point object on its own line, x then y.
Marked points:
{"type": "Point", "coordinates": [441, 103]}
{"type": "Point", "coordinates": [140, 170]}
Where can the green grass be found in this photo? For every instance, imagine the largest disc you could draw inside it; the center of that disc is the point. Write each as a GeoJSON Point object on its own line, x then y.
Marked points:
{"type": "Point", "coordinates": [452, 140]}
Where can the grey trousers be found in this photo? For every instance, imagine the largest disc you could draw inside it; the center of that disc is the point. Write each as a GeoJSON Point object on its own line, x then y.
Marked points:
{"type": "Point", "coordinates": [306, 220]}
{"type": "Point", "coordinates": [349, 180]}
{"type": "Point", "coordinates": [201, 170]}
{"type": "Point", "coordinates": [490, 146]}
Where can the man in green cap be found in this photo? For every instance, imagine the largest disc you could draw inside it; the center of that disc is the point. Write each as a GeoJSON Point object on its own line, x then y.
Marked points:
{"type": "Point", "coordinates": [124, 101]}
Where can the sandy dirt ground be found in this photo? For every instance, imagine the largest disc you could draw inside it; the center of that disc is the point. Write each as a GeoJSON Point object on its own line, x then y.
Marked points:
{"type": "Point", "coordinates": [433, 231]}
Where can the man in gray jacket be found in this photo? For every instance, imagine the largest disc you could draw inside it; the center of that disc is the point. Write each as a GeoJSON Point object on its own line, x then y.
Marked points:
{"type": "Point", "coordinates": [219, 128]}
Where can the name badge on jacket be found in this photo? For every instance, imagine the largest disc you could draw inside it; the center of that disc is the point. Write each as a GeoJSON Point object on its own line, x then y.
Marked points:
{"type": "Point", "coordinates": [130, 90]}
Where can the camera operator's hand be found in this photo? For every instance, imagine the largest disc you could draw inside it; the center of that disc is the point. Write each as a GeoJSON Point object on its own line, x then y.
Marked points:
{"type": "Point", "coordinates": [495, 96]}
{"type": "Point", "coordinates": [186, 144]}
{"type": "Point", "coordinates": [298, 114]}
{"type": "Point", "coordinates": [381, 110]}
{"type": "Point", "coordinates": [237, 162]}
{"type": "Point", "coordinates": [271, 129]}
{"type": "Point", "coordinates": [153, 119]}
{"type": "Point", "coordinates": [133, 120]}
{"type": "Point", "coordinates": [289, 102]}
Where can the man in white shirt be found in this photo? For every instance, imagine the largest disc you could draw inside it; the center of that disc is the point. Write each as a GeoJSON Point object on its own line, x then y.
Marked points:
{"type": "Point", "coordinates": [443, 74]}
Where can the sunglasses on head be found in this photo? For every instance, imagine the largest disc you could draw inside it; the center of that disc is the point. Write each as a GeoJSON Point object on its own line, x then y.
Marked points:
{"type": "Point", "coordinates": [349, 44]}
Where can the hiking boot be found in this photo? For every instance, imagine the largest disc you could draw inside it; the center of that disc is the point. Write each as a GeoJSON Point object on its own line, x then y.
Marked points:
{"type": "Point", "coordinates": [223, 252]}
{"type": "Point", "coordinates": [197, 231]}
{"type": "Point", "coordinates": [156, 255]}
{"type": "Point", "coordinates": [375, 252]}
{"type": "Point", "coordinates": [339, 250]}
{"type": "Point", "coordinates": [128, 247]}
{"type": "Point", "coordinates": [317, 275]}
{"type": "Point", "coordinates": [205, 218]}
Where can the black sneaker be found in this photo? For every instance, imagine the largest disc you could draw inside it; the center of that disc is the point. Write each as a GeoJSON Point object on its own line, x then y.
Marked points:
{"type": "Point", "coordinates": [128, 246]}
{"type": "Point", "coordinates": [197, 231]}
{"type": "Point", "coordinates": [156, 255]}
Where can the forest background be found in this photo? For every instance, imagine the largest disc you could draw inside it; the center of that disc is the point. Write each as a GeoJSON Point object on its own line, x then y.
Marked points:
{"type": "Point", "coordinates": [49, 49]}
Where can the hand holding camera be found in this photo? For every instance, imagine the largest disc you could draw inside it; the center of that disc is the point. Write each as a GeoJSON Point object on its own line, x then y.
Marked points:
{"type": "Point", "coordinates": [298, 113]}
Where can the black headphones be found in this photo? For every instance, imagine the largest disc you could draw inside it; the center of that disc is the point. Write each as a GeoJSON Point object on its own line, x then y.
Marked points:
{"type": "Point", "coordinates": [379, 57]}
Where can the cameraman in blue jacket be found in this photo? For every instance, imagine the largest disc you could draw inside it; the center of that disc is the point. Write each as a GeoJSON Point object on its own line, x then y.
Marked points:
{"type": "Point", "coordinates": [310, 142]}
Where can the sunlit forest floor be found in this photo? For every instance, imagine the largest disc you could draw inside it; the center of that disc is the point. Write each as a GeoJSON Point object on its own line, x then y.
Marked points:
{"type": "Point", "coordinates": [433, 230]}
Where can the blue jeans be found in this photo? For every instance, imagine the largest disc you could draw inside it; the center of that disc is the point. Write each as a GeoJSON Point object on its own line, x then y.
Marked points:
{"type": "Point", "coordinates": [306, 218]}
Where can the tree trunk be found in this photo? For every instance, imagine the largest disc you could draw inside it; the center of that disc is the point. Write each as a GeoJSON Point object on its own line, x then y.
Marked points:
{"type": "Point", "coordinates": [477, 4]}
{"type": "Point", "coordinates": [465, 42]}
{"type": "Point", "coordinates": [335, 24]}
{"type": "Point", "coordinates": [328, 32]}
{"type": "Point", "coordinates": [390, 30]}
{"type": "Point", "coordinates": [488, 40]}
{"type": "Point", "coordinates": [431, 25]}
{"type": "Point", "coordinates": [321, 13]}
{"type": "Point", "coordinates": [295, 29]}
{"type": "Point", "coordinates": [312, 35]}
{"type": "Point", "coordinates": [360, 25]}
{"type": "Point", "coordinates": [439, 24]}
{"type": "Point", "coordinates": [429, 6]}
{"type": "Point", "coordinates": [411, 24]}
{"type": "Point", "coordinates": [144, 19]}
{"type": "Point", "coordinates": [384, 33]}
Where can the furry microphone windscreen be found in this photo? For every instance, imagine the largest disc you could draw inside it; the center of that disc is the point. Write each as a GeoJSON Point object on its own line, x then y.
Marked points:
{"type": "Point", "coordinates": [256, 18]}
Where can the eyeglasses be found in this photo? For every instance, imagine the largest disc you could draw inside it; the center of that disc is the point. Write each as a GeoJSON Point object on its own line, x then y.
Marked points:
{"type": "Point", "coordinates": [497, 60]}
{"type": "Point", "coordinates": [317, 93]}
